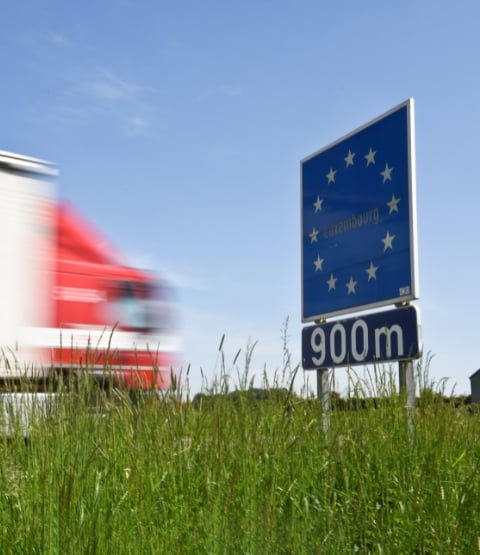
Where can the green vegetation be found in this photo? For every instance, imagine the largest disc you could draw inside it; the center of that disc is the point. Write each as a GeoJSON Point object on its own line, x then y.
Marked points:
{"type": "Point", "coordinates": [244, 472]}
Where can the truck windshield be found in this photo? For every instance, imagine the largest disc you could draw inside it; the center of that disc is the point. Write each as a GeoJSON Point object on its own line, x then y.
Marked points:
{"type": "Point", "coordinates": [141, 306]}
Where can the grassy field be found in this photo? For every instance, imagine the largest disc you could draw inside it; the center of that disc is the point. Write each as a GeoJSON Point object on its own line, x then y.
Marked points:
{"type": "Point", "coordinates": [232, 474]}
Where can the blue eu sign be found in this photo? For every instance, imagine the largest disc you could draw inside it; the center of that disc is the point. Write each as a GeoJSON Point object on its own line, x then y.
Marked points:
{"type": "Point", "coordinates": [359, 219]}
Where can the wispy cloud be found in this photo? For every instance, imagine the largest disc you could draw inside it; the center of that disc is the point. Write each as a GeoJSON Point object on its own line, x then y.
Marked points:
{"type": "Point", "coordinates": [101, 95]}
{"type": "Point", "coordinates": [109, 86]}
{"type": "Point", "coordinates": [136, 125]}
{"type": "Point", "coordinates": [58, 39]}
{"type": "Point", "coordinates": [230, 90]}
{"type": "Point", "coordinates": [222, 91]}
{"type": "Point", "coordinates": [173, 44]}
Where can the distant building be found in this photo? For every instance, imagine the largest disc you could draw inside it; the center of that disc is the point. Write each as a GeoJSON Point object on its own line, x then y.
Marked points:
{"type": "Point", "coordinates": [475, 385]}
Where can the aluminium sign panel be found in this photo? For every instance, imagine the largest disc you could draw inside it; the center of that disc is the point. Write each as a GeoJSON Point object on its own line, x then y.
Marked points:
{"type": "Point", "coordinates": [374, 337]}
{"type": "Point", "coordinates": [358, 219]}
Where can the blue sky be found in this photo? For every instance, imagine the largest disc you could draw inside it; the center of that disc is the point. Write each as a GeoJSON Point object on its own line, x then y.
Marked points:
{"type": "Point", "coordinates": [178, 128]}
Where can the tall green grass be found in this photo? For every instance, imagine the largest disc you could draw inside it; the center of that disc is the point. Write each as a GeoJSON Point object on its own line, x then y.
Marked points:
{"type": "Point", "coordinates": [234, 474]}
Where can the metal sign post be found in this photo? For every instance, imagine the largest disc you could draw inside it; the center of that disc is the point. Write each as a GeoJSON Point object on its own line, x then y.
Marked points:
{"type": "Point", "coordinates": [323, 396]}
{"type": "Point", "coordinates": [359, 250]}
{"type": "Point", "coordinates": [388, 336]}
{"type": "Point", "coordinates": [407, 389]}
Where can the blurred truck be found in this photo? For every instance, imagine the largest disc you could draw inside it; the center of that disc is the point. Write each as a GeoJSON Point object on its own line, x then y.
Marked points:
{"type": "Point", "coordinates": [68, 303]}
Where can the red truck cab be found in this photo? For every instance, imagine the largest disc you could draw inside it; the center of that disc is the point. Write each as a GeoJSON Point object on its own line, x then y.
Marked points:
{"type": "Point", "coordinates": [110, 319]}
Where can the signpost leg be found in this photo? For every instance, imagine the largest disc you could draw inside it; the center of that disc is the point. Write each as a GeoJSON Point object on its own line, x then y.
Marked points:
{"type": "Point", "coordinates": [407, 388]}
{"type": "Point", "coordinates": [406, 381]}
{"type": "Point", "coordinates": [323, 396]}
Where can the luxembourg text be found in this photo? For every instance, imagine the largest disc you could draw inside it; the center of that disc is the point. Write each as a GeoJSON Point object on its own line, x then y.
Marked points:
{"type": "Point", "coordinates": [355, 221]}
